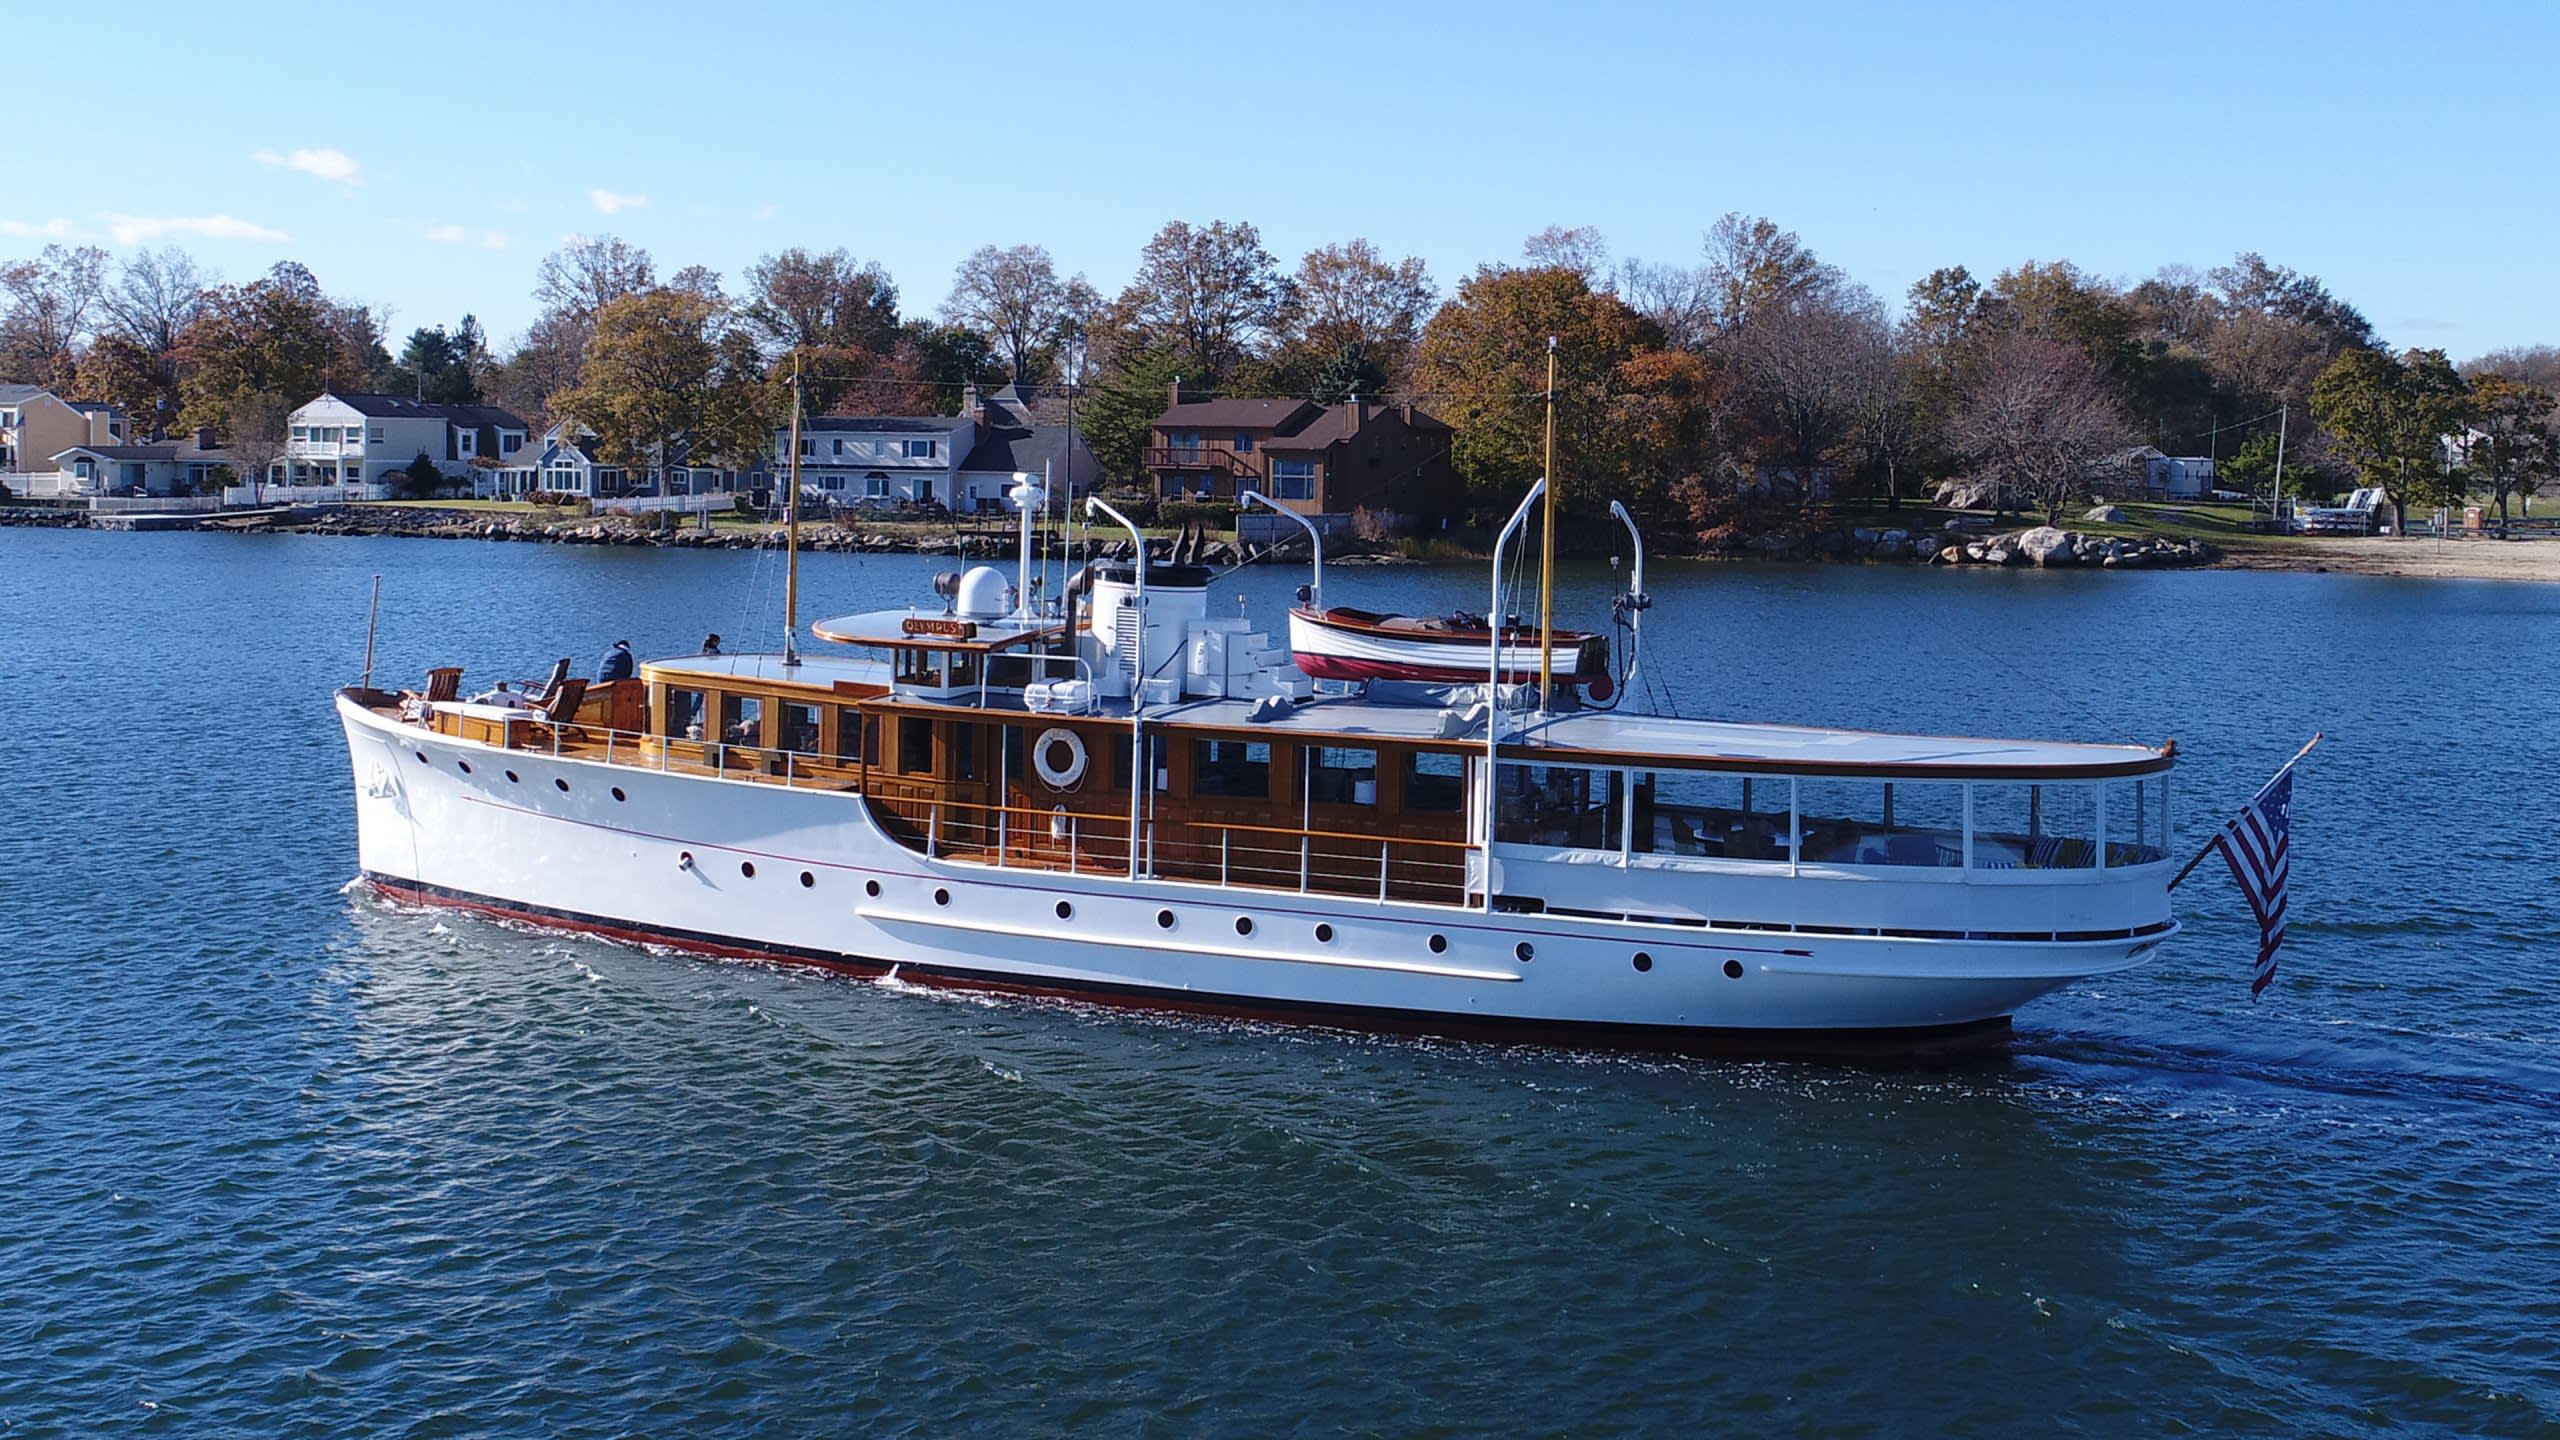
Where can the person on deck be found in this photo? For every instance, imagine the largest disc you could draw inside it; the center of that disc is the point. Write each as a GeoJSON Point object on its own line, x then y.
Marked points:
{"type": "Point", "coordinates": [711, 643]}
{"type": "Point", "coordinates": [617, 665]}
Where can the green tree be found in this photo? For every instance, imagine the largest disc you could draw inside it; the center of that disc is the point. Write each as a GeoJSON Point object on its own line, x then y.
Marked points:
{"type": "Point", "coordinates": [2516, 445]}
{"type": "Point", "coordinates": [2392, 416]}
{"type": "Point", "coordinates": [1117, 413]}
{"type": "Point", "coordinates": [649, 374]}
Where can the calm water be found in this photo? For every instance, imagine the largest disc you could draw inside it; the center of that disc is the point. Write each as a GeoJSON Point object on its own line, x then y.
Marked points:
{"type": "Point", "coordinates": [275, 1160]}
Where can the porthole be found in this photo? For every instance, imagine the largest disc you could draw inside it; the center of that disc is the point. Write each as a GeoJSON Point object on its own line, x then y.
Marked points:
{"type": "Point", "coordinates": [747, 868]}
{"type": "Point", "coordinates": [1244, 924]}
{"type": "Point", "coordinates": [462, 765]}
{"type": "Point", "coordinates": [807, 880]}
{"type": "Point", "coordinates": [563, 786]}
{"type": "Point", "coordinates": [941, 897]}
{"type": "Point", "coordinates": [1439, 944]}
{"type": "Point", "coordinates": [422, 757]}
{"type": "Point", "coordinates": [618, 795]}
{"type": "Point", "coordinates": [511, 778]}
{"type": "Point", "coordinates": [1733, 969]}
{"type": "Point", "coordinates": [1164, 919]}
{"type": "Point", "coordinates": [1526, 951]}
{"type": "Point", "coordinates": [1324, 934]}
{"type": "Point", "coordinates": [1066, 911]}
{"type": "Point", "coordinates": [684, 860]}
{"type": "Point", "coordinates": [1644, 962]}
{"type": "Point", "coordinates": [871, 888]}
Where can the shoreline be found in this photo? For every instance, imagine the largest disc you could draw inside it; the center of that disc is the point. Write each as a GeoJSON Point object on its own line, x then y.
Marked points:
{"type": "Point", "coordinates": [2474, 558]}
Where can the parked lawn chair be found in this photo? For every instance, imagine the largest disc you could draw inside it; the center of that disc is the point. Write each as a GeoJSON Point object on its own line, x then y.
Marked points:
{"type": "Point", "coordinates": [560, 709]}
{"type": "Point", "coordinates": [559, 673]}
{"type": "Point", "coordinates": [444, 683]}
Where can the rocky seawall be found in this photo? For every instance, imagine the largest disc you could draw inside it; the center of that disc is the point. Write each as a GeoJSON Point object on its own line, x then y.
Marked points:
{"type": "Point", "coordinates": [2041, 546]}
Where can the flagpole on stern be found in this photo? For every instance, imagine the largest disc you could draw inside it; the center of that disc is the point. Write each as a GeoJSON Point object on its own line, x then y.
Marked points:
{"type": "Point", "coordinates": [2209, 845]}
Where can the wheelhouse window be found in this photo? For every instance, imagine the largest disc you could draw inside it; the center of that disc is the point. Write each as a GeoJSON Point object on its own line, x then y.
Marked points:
{"type": "Point", "coordinates": [1342, 777]}
{"type": "Point", "coordinates": [1435, 780]}
{"type": "Point", "coordinates": [684, 714]}
{"type": "Point", "coordinates": [741, 720]}
{"type": "Point", "coordinates": [1234, 769]}
{"type": "Point", "coordinates": [800, 727]}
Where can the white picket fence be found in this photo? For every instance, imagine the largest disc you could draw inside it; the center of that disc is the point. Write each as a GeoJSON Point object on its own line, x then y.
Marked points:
{"type": "Point", "coordinates": [153, 504]}
{"type": "Point", "coordinates": [236, 496]}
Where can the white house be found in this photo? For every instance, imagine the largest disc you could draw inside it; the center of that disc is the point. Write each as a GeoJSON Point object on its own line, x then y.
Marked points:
{"type": "Point", "coordinates": [565, 462]}
{"type": "Point", "coordinates": [883, 458]}
{"type": "Point", "coordinates": [359, 439]}
{"type": "Point", "coordinates": [165, 467]}
{"type": "Point", "coordinates": [2179, 477]}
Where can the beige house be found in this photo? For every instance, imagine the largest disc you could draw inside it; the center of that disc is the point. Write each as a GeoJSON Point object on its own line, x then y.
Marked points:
{"type": "Point", "coordinates": [36, 425]}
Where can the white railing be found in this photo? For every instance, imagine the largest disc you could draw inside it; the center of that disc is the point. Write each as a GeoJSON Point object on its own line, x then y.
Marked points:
{"type": "Point", "coordinates": [236, 496]}
{"type": "Point", "coordinates": [153, 504]}
{"type": "Point", "coordinates": [45, 484]}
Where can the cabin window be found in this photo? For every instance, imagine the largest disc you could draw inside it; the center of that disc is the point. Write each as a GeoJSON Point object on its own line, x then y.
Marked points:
{"type": "Point", "coordinates": [684, 714]}
{"type": "Point", "coordinates": [915, 745]}
{"type": "Point", "coordinates": [1692, 812]}
{"type": "Point", "coordinates": [2136, 811]}
{"type": "Point", "coordinates": [1017, 747]}
{"type": "Point", "coordinates": [1557, 805]}
{"type": "Point", "coordinates": [849, 736]}
{"type": "Point", "coordinates": [741, 720]}
{"type": "Point", "coordinates": [918, 666]}
{"type": "Point", "coordinates": [1343, 777]}
{"type": "Point", "coordinates": [1236, 769]}
{"type": "Point", "coordinates": [800, 728]}
{"type": "Point", "coordinates": [1876, 822]}
{"type": "Point", "coordinates": [1435, 780]}
{"type": "Point", "coordinates": [2034, 827]}
{"type": "Point", "coordinates": [963, 740]}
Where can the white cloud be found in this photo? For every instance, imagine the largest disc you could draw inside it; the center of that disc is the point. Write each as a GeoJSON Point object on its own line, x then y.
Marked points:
{"type": "Point", "coordinates": [610, 202]}
{"type": "Point", "coordinates": [465, 235]}
{"type": "Point", "coordinates": [766, 212]}
{"type": "Point", "coordinates": [327, 164]}
{"type": "Point", "coordinates": [54, 229]}
{"type": "Point", "coordinates": [143, 229]}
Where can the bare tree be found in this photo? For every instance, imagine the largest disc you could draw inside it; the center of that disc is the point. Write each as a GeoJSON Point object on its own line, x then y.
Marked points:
{"type": "Point", "coordinates": [1012, 296]}
{"type": "Point", "coordinates": [1678, 298]}
{"type": "Point", "coordinates": [257, 439]}
{"type": "Point", "coordinates": [49, 304]}
{"type": "Point", "coordinates": [1353, 296]}
{"type": "Point", "coordinates": [156, 293]}
{"type": "Point", "coordinates": [1803, 365]}
{"type": "Point", "coordinates": [591, 272]}
{"type": "Point", "coordinates": [1751, 264]}
{"type": "Point", "coordinates": [1213, 292]}
{"type": "Point", "coordinates": [2034, 426]}
{"type": "Point", "coordinates": [1578, 248]}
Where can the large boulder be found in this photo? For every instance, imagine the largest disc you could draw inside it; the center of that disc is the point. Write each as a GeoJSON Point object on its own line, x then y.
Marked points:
{"type": "Point", "coordinates": [2047, 546]}
{"type": "Point", "coordinates": [2105, 515]}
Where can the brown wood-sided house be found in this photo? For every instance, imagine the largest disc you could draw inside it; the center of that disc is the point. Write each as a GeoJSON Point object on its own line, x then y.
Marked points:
{"type": "Point", "coordinates": [1322, 461]}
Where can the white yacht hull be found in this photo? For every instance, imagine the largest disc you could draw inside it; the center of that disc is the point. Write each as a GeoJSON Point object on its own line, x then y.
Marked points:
{"type": "Point", "coordinates": [546, 839]}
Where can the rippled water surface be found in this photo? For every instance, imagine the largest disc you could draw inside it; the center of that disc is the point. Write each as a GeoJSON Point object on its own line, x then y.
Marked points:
{"type": "Point", "coordinates": [276, 1160]}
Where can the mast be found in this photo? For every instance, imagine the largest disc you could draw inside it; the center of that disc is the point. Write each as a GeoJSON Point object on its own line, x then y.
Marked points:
{"type": "Point", "coordinates": [1546, 551]}
{"type": "Point", "coordinates": [791, 531]}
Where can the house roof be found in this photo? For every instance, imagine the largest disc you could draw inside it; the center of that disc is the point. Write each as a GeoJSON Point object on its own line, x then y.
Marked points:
{"type": "Point", "coordinates": [403, 407]}
{"type": "Point", "coordinates": [15, 394]}
{"type": "Point", "coordinates": [1231, 414]}
{"type": "Point", "coordinates": [884, 424]}
{"type": "Point", "coordinates": [1024, 449]}
{"type": "Point", "coordinates": [166, 450]}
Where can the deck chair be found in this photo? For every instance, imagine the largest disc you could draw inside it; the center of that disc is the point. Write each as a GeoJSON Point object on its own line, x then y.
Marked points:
{"type": "Point", "coordinates": [444, 683]}
{"type": "Point", "coordinates": [560, 708]}
{"type": "Point", "coordinates": [559, 673]}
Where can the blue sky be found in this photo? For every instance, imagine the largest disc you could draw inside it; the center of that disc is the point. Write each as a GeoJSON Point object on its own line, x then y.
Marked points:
{"type": "Point", "coordinates": [426, 158]}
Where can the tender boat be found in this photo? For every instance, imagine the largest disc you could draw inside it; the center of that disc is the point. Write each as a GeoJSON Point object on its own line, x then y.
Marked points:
{"type": "Point", "coordinates": [1341, 643]}
{"type": "Point", "coordinates": [1131, 794]}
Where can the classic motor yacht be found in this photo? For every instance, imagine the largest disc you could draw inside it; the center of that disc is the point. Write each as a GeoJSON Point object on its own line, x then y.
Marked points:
{"type": "Point", "coordinates": [1122, 795]}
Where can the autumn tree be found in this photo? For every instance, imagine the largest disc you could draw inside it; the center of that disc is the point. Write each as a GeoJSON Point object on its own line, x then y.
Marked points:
{"type": "Point", "coordinates": [155, 296]}
{"type": "Point", "coordinates": [1578, 248]}
{"type": "Point", "coordinates": [1482, 368]}
{"type": "Point", "coordinates": [590, 272]}
{"type": "Point", "coordinates": [1802, 364]}
{"type": "Point", "coordinates": [276, 336]}
{"type": "Point", "coordinates": [1211, 291]}
{"type": "Point", "coordinates": [1751, 264]}
{"type": "Point", "coordinates": [840, 313]}
{"type": "Point", "coordinates": [654, 375]}
{"type": "Point", "coordinates": [2034, 426]}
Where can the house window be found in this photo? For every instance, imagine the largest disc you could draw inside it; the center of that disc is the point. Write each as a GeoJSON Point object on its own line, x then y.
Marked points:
{"type": "Point", "coordinates": [1244, 444]}
{"type": "Point", "coordinates": [839, 447]}
{"type": "Point", "coordinates": [833, 482]}
{"type": "Point", "coordinates": [509, 442]}
{"type": "Point", "coordinates": [808, 448]}
{"type": "Point", "coordinates": [875, 487]}
{"type": "Point", "coordinates": [1188, 441]}
{"type": "Point", "coordinates": [919, 449]}
{"type": "Point", "coordinates": [377, 435]}
{"type": "Point", "coordinates": [301, 432]}
{"type": "Point", "coordinates": [1171, 485]}
{"type": "Point", "coordinates": [1295, 479]}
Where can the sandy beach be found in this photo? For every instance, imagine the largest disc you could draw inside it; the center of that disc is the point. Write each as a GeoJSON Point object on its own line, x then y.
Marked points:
{"type": "Point", "coordinates": [2484, 559]}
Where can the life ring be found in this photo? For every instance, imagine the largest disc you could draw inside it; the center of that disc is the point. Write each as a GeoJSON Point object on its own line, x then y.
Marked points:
{"type": "Point", "coordinates": [1059, 774]}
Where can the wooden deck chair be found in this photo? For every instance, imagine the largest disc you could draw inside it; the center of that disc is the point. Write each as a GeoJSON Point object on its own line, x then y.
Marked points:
{"type": "Point", "coordinates": [559, 673]}
{"type": "Point", "coordinates": [444, 683]}
{"type": "Point", "coordinates": [560, 708]}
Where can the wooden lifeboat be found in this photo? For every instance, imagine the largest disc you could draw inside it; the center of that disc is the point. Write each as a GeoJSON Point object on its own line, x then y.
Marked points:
{"type": "Point", "coordinates": [1341, 643]}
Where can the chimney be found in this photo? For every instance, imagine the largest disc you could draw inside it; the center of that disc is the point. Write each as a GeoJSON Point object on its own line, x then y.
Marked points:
{"type": "Point", "coordinates": [204, 437]}
{"type": "Point", "coordinates": [1359, 413]}
{"type": "Point", "coordinates": [1173, 393]}
{"type": "Point", "coordinates": [969, 403]}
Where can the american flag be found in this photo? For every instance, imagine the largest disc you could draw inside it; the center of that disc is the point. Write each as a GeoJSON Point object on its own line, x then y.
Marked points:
{"type": "Point", "coordinates": [2256, 845]}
